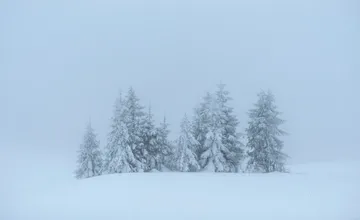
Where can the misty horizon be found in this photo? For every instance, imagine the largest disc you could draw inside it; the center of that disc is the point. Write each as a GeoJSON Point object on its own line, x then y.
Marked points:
{"type": "Point", "coordinates": [63, 62]}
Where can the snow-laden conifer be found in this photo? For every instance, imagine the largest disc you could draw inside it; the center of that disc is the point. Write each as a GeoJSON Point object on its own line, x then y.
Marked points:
{"type": "Point", "coordinates": [89, 156]}
{"type": "Point", "coordinates": [215, 128]}
{"type": "Point", "coordinates": [134, 122]}
{"type": "Point", "coordinates": [119, 157]}
{"type": "Point", "coordinates": [230, 137]}
{"type": "Point", "coordinates": [164, 144]}
{"type": "Point", "coordinates": [184, 156]}
{"type": "Point", "coordinates": [215, 156]}
{"type": "Point", "coordinates": [201, 124]}
{"type": "Point", "coordinates": [149, 149]}
{"type": "Point", "coordinates": [265, 147]}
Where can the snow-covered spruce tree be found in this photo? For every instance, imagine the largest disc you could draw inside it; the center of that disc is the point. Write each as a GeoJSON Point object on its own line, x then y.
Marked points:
{"type": "Point", "coordinates": [148, 147]}
{"type": "Point", "coordinates": [201, 124]}
{"type": "Point", "coordinates": [215, 157]}
{"type": "Point", "coordinates": [134, 120]}
{"type": "Point", "coordinates": [228, 124]}
{"type": "Point", "coordinates": [164, 145]}
{"type": "Point", "coordinates": [264, 146]}
{"type": "Point", "coordinates": [119, 157]}
{"type": "Point", "coordinates": [89, 158]}
{"type": "Point", "coordinates": [215, 128]}
{"type": "Point", "coordinates": [185, 158]}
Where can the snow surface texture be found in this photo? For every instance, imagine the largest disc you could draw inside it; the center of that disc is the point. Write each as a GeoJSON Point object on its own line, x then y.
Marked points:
{"type": "Point", "coordinates": [326, 191]}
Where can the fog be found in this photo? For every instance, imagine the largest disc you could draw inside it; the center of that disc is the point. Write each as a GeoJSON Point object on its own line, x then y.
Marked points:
{"type": "Point", "coordinates": [63, 62]}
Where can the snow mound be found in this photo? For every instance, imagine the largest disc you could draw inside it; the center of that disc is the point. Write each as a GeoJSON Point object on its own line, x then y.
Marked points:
{"type": "Point", "coordinates": [329, 191]}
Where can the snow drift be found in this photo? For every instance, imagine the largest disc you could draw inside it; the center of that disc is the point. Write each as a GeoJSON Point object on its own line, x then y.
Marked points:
{"type": "Point", "coordinates": [329, 191]}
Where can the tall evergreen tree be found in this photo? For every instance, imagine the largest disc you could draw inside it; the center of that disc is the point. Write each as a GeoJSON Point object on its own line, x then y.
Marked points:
{"type": "Point", "coordinates": [215, 157]}
{"type": "Point", "coordinates": [230, 138]}
{"type": "Point", "coordinates": [265, 147]}
{"type": "Point", "coordinates": [119, 156]}
{"type": "Point", "coordinates": [215, 128]}
{"type": "Point", "coordinates": [89, 158]}
{"type": "Point", "coordinates": [185, 157]}
{"type": "Point", "coordinates": [134, 120]}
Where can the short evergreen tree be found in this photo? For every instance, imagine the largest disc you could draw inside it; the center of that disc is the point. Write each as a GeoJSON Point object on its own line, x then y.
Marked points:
{"type": "Point", "coordinates": [89, 158]}
{"type": "Point", "coordinates": [264, 146]}
{"type": "Point", "coordinates": [185, 157]}
{"type": "Point", "coordinates": [148, 147]}
{"type": "Point", "coordinates": [170, 160]}
{"type": "Point", "coordinates": [201, 124]}
{"type": "Point", "coordinates": [164, 145]}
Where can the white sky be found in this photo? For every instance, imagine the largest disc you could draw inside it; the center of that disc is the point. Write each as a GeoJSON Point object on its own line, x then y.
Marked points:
{"type": "Point", "coordinates": [62, 62]}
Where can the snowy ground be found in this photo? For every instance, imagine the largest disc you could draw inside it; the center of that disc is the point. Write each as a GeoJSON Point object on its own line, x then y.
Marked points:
{"type": "Point", "coordinates": [314, 191]}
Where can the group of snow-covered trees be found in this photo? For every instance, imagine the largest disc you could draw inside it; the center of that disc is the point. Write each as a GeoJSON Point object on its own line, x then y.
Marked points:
{"type": "Point", "coordinates": [208, 141]}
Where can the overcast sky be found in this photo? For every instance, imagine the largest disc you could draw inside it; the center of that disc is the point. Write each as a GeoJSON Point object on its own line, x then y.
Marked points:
{"type": "Point", "coordinates": [62, 62]}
